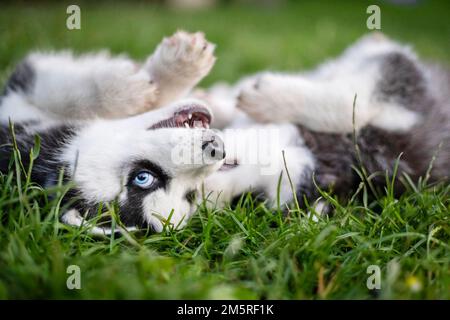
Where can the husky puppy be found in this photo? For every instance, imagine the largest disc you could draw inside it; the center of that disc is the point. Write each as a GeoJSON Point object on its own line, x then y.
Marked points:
{"type": "Point", "coordinates": [373, 105]}
{"type": "Point", "coordinates": [116, 128]}
{"type": "Point", "coordinates": [90, 114]}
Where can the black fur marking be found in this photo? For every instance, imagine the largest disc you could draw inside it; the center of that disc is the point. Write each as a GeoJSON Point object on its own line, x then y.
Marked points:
{"type": "Point", "coordinates": [258, 196]}
{"type": "Point", "coordinates": [47, 166]}
{"type": "Point", "coordinates": [74, 200]}
{"type": "Point", "coordinates": [160, 176]}
{"type": "Point", "coordinates": [381, 149]}
{"type": "Point", "coordinates": [306, 191]}
{"type": "Point", "coordinates": [379, 152]}
{"type": "Point", "coordinates": [191, 196]}
{"type": "Point", "coordinates": [22, 79]}
{"type": "Point", "coordinates": [334, 159]}
{"type": "Point", "coordinates": [402, 82]}
{"type": "Point", "coordinates": [132, 211]}
{"type": "Point", "coordinates": [335, 154]}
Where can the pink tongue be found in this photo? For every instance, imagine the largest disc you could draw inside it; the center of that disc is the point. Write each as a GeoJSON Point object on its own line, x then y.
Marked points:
{"type": "Point", "coordinates": [180, 119]}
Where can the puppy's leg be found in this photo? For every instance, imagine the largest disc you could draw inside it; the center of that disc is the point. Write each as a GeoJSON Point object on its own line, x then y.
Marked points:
{"type": "Point", "coordinates": [320, 106]}
{"type": "Point", "coordinates": [178, 64]}
{"type": "Point", "coordinates": [66, 87]}
{"type": "Point", "coordinates": [61, 86]}
{"type": "Point", "coordinates": [323, 100]}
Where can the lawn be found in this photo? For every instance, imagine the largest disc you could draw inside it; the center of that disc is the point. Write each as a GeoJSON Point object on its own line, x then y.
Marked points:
{"type": "Point", "coordinates": [249, 251]}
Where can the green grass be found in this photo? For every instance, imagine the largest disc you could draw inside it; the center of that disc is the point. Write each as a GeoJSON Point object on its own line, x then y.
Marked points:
{"type": "Point", "coordinates": [248, 252]}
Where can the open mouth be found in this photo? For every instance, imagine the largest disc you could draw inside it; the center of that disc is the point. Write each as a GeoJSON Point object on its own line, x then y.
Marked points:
{"type": "Point", "coordinates": [193, 116]}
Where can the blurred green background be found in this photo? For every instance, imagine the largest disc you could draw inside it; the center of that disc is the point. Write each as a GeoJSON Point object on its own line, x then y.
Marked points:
{"type": "Point", "coordinates": [250, 35]}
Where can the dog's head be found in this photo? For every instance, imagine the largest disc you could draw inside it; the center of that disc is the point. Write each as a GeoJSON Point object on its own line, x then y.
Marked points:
{"type": "Point", "coordinates": [152, 165]}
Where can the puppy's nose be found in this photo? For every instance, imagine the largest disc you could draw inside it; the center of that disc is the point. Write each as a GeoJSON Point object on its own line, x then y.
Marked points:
{"type": "Point", "coordinates": [213, 148]}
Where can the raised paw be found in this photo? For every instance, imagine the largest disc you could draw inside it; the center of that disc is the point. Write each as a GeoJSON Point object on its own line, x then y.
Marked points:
{"type": "Point", "coordinates": [183, 55]}
{"type": "Point", "coordinates": [266, 98]}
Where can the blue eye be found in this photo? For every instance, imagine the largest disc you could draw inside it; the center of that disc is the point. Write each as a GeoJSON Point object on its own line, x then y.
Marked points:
{"type": "Point", "coordinates": [144, 179]}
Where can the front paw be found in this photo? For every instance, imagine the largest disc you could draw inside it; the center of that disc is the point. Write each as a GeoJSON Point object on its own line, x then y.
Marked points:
{"type": "Point", "coordinates": [263, 98]}
{"type": "Point", "coordinates": [183, 55]}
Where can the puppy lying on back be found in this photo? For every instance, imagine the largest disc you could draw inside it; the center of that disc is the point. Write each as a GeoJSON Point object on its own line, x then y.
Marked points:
{"type": "Point", "coordinates": [93, 115]}
{"type": "Point", "coordinates": [378, 91]}
{"type": "Point", "coordinates": [90, 112]}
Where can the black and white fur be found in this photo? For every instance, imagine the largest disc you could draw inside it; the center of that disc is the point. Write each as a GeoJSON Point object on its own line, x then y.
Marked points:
{"type": "Point", "coordinates": [89, 112]}
{"type": "Point", "coordinates": [402, 110]}
{"type": "Point", "coordinates": [103, 119]}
